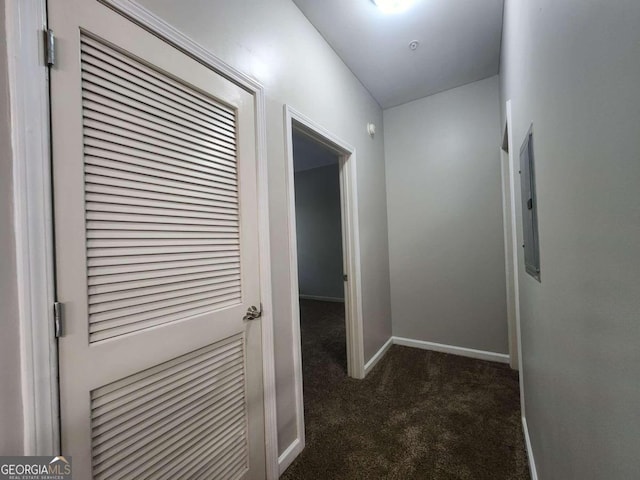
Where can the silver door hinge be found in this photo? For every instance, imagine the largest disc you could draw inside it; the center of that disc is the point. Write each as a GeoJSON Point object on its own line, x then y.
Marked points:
{"type": "Point", "coordinates": [57, 319]}
{"type": "Point", "coordinates": [49, 48]}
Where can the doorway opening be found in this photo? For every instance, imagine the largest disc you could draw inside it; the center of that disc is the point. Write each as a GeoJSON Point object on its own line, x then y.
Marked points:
{"type": "Point", "coordinates": [324, 256]}
{"type": "Point", "coordinates": [320, 273]}
{"type": "Point", "coordinates": [320, 259]}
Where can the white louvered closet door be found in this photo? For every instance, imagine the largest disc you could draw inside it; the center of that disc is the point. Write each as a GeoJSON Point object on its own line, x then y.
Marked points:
{"type": "Point", "coordinates": [156, 255]}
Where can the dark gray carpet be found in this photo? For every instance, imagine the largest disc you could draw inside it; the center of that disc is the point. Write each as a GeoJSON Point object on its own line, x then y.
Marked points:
{"type": "Point", "coordinates": [418, 415]}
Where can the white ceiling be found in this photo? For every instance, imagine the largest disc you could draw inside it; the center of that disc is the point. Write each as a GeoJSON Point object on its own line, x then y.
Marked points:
{"type": "Point", "coordinates": [459, 43]}
{"type": "Point", "coordinates": [308, 154]}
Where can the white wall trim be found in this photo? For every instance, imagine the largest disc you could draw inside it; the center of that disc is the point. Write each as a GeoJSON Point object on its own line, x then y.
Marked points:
{"type": "Point", "coordinates": [298, 444]}
{"type": "Point", "coordinates": [513, 168]}
{"type": "Point", "coordinates": [462, 351]}
{"type": "Point", "coordinates": [351, 249]}
{"type": "Point", "coordinates": [527, 441]}
{"type": "Point", "coordinates": [173, 36]}
{"type": "Point", "coordinates": [509, 168]}
{"type": "Point", "coordinates": [505, 166]}
{"type": "Point", "coordinates": [29, 104]}
{"type": "Point", "coordinates": [290, 454]}
{"type": "Point", "coordinates": [377, 356]}
{"type": "Point", "coordinates": [321, 298]}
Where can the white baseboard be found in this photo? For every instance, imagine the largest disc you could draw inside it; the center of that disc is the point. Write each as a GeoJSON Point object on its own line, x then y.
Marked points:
{"type": "Point", "coordinates": [527, 441]}
{"type": "Point", "coordinates": [289, 455]}
{"type": "Point", "coordinates": [378, 355]}
{"type": "Point", "coordinates": [322, 299]}
{"type": "Point", "coordinates": [465, 352]}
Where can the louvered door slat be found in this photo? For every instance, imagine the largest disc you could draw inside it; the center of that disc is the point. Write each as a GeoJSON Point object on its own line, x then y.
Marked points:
{"type": "Point", "coordinates": [109, 398]}
{"type": "Point", "coordinates": [113, 259]}
{"type": "Point", "coordinates": [121, 322]}
{"type": "Point", "coordinates": [143, 189]}
{"type": "Point", "coordinates": [122, 420]}
{"type": "Point", "coordinates": [189, 274]}
{"type": "Point", "coordinates": [227, 466]}
{"type": "Point", "coordinates": [107, 292]}
{"type": "Point", "coordinates": [192, 470]}
{"type": "Point", "coordinates": [147, 106]}
{"type": "Point", "coordinates": [118, 205]}
{"type": "Point", "coordinates": [102, 120]}
{"type": "Point", "coordinates": [123, 197]}
{"type": "Point", "coordinates": [109, 168]}
{"type": "Point", "coordinates": [117, 74]}
{"type": "Point", "coordinates": [145, 180]}
{"type": "Point", "coordinates": [101, 85]}
{"type": "Point", "coordinates": [120, 316]}
{"type": "Point", "coordinates": [103, 332]}
{"type": "Point", "coordinates": [106, 112]}
{"type": "Point", "coordinates": [168, 164]}
{"type": "Point", "coordinates": [139, 116]}
{"type": "Point", "coordinates": [149, 151]}
{"type": "Point", "coordinates": [95, 133]}
{"type": "Point", "coordinates": [169, 88]}
{"type": "Point", "coordinates": [169, 414]}
{"type": "Point", "coordinates": [193, 281]}
{"type": "Point", "coordinates": [116, 249]}
{"type": "Point", "coordinates": [168, 296]}
{"type": "Point", "coordinates": [163, 169]}
{"type": "Point", "coordinates": [186, 419]}
{"type": "Point", "coordinates": [142, 111]}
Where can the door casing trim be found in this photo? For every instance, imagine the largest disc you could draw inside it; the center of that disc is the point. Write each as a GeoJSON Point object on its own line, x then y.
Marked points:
{"type": "Point", "coordinates": [29, 103]}
{"type": "Point", "coordinates": [294, 120]}
{"type": "Point", "coordinates": [33, 223]}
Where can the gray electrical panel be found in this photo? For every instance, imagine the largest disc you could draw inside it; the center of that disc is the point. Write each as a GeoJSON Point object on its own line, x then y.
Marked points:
{"type": "Point", "coordinates": [529, 207]}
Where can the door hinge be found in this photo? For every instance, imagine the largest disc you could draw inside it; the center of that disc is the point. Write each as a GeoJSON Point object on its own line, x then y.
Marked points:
{"type": "Point", "coordinates": [345, 277]}
{"type": "Point", "coordinates": [49, 48]}
{"type": "Point", "coordinates": [57, 319]}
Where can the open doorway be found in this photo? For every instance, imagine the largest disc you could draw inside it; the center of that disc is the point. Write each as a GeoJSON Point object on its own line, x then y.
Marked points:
{"type": "Point", "coordinates": [320, 260]}
{"type": "Point", "coordinates": [320, 272]}
{"type": "Point", "coordinates": [326, 299]}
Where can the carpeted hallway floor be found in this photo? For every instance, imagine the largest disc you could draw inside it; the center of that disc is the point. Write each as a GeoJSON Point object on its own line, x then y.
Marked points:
{"type": "Point", "coordinates": [418, 414]}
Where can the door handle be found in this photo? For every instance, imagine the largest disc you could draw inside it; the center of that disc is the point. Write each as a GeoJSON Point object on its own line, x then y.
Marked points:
{"type": "Point", "coordinates": [252, 313]}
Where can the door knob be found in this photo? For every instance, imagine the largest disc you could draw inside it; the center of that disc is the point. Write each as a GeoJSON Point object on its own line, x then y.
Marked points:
{"type": "Point", "coordinates": [253, 313]}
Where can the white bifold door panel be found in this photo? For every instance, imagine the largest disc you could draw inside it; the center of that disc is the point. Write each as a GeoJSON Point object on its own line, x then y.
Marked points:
{"type": "Point", "coordinates": [154, 170]}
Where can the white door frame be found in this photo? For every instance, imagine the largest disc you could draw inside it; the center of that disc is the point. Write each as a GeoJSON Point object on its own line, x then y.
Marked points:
{"type": "Point", "coordinates": [29, 102]}
{"type": "Point", "coordinates": [351, 252]}
{"type": "Point", "coordinates": [509, 169]}
{"type": "Point", "coordinates": [33, 223]}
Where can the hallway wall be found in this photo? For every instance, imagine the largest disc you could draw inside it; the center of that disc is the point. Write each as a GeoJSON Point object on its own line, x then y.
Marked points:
{"type": "Point", "coordinates": [444, 200]}
{"type": "Point", "coordinates": [573, 69]}
{"type": "Point", "coordinates": [272, 41]}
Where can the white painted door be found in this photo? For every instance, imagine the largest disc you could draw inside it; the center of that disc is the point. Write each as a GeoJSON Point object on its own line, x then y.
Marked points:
{"type": "Point", "coordinates": [156, 254]}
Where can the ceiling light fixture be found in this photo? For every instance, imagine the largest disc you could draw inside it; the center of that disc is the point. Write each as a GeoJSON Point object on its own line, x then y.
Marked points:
{"type": "Point", "coordinates": [392, 6]}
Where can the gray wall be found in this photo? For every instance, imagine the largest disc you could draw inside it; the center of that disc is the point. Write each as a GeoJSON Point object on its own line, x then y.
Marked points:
{"type": "Point", "coordinates": [272, 41]}
{"type": "Point", "coordinates": [573, 69]}
{"type": "Point", "coordinates": [10, 394]}
{"type": "Point", "coordinates": [319, 232]}
{"type": "Point", "coordinates": [444, 200]}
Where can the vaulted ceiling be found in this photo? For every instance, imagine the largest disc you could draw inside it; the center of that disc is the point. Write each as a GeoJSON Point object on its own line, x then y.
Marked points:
{"type": "Point", "coordinates": [458, 43]}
